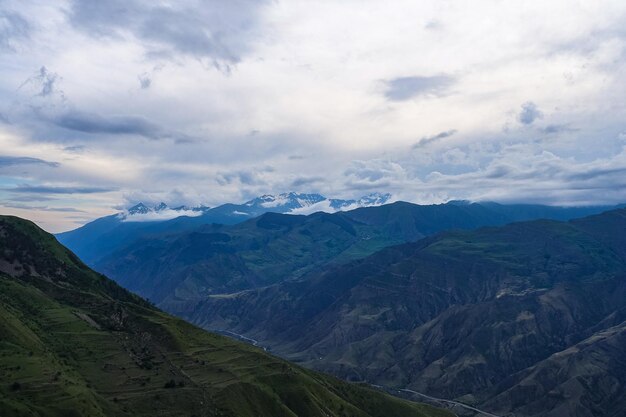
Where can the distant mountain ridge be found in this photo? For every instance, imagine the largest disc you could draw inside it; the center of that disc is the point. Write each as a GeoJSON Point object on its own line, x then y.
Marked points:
{"type": "Point", "coordinates": [99, 238]}
{"type": "Point", "coordinates": [281, 203]}
{"type": "Point", "coordinates": [178, 269]}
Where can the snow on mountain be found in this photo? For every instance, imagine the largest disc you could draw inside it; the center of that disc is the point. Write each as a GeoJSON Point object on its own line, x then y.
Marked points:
{"type": "Point", "coordinates": [160, 212]}
{"type": "Point", "coordinates": [285, 201]}
{"type": "Point", "coordinates": [290, 203]}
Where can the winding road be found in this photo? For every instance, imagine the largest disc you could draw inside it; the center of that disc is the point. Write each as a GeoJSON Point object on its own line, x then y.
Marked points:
{"type": "Point", "coordinates": [443, 400]}
{"type": "Point", "coordinates": [243, 338]}
{"type": "Point", "coordinates": [256, 343]}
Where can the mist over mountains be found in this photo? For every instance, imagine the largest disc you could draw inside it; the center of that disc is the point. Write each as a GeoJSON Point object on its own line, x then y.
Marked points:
{"type": "Point", "coordinates": [101, 236]}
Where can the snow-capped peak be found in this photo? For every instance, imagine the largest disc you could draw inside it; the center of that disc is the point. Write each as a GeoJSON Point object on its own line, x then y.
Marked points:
{"type": "Point", "coordinates": [285, 201]}
{"type": "Point", "coordinates": [140, 208]}
{"type": "Point", "coordinates": [291, 203]}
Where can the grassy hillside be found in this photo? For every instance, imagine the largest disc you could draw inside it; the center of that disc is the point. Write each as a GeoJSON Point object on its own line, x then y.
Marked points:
{"type": "Point", "coordinates": [73, 343]}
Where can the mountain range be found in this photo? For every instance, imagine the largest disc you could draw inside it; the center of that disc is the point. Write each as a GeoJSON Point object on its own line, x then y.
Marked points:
{"type": "Point", "coordinates": [73, 343]}
{"type": "Point", "coordinates": [526, 319]}
{"type": "Point", "coordinates": [102, 236]}
{"type": "Point", "coordinates": [182, 268]}
{"type": "Point", "coordinates": [523, 318]}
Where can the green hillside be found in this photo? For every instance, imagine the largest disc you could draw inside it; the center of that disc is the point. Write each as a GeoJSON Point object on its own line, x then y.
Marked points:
{"type": "Point", "coordinates": [73, 343]}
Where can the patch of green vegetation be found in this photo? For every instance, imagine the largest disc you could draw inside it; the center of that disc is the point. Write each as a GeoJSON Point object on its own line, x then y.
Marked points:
{"type": "Point", "coordinates": [75, 344]}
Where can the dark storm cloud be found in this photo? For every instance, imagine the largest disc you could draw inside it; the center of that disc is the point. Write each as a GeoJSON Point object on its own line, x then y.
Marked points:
{"type": "Point", "coordinates": [216, 29]}
{"type": "Point", "coordinates": [13, 27]}
{"type": "Point", "coordinates": [405, 88]}
{"type": "Point", "coordinates": [42, 189]}
{"type": "Point", "coordinates": [530, 112]}
{"type": "Point", "coordinates": [7, 161]}
{"type": "Point", "coordinates": [430, 139]}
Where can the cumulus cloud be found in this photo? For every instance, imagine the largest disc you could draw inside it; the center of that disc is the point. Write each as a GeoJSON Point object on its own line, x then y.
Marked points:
{"type": "Point", "coordinates": [530, 112]}
{"type": "Point", "coordinates": [254, 176]}
{"type": "Point", "coordinates": [224, 89]}
{"type": "Point", "coordinates": [374, 174]}
{"type": "Point", "coordinates": [405, 88]}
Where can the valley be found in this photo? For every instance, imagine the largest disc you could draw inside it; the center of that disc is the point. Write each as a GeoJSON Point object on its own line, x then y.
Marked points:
{"type": "Point", "coordinates": [389, 295]}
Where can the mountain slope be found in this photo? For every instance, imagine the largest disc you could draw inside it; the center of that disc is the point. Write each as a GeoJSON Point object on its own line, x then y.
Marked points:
{"type": "Point", "coordinates": [73, 343]}
{"type": "Point", "coordinates": [177, 270]}
{"type": "Point", "coordinates": [478, 316]}
{"type": "Point", "coordinates": [103, 236]}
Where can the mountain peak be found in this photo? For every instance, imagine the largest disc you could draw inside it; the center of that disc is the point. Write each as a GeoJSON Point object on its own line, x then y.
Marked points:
{"type": "Point", "coordinates": [140, 208]}
{"type": "Point", "coordinates": [286, 201]}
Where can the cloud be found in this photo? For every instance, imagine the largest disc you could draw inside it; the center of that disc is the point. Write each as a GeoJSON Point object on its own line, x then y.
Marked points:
{"type": "Point", "coordinates": [30, 198]}
{"type": "Point", "coordinates": [13, 28]}
{"type": "Point", "coordinates": [44, 83]}
{"type": "Point", "coordinates": [558, 128]}
{"type": "Point", "coordinates": [219, 30]}
{"type": "Point", "coordinates": [74, 148]}
{"type": "Point", "coordinates": [256, 176]}
{"type": "Point", "coordinates": [43, 208]}
{"type": "Point", "coordinates": [433, 25]}
{"type": "Point", "coordinates": [162, 215]}
{"type": "Point", "coordinates": [43, 189]}
{"type": "Point", "coordinates": [430, 139]}
{"type": "Point", "coordinates": [114, 125]}
{"type": "Point", "coordinates": [305, 181]}
{"type": "Point", "coordinates": [367, 98]}
{"type": "Point", "coordinates": [405, 88]}
{"type": "Point", "coordinates": [374, 174]}
{"type": "Point", "coordinates": [530, 112]}
{"type": "Point", "coordinates": [596, 172]}
{"type": "Point", "coordinates": [7, 161]}
{"type": "Point", "coordinates": [144, 81]}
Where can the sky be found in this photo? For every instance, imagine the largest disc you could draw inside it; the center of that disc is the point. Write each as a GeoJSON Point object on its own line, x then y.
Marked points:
{"type": "Point", "coordinates": [105, 104]}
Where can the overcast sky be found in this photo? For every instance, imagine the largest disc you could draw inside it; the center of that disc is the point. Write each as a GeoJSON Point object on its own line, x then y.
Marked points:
{"type": "Point", "coordinates": [107, 103]}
